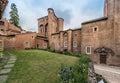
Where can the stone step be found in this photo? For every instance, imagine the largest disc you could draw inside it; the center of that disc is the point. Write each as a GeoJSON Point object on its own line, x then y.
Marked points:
{"type": "Point", "coordinates": [8, 65]}
{"type": "Point", "coordinates": [5, 71]}
{"type": "Point", "coordinates": [3, 78]}
{"type": "Point", "coordinates": [11, 61]}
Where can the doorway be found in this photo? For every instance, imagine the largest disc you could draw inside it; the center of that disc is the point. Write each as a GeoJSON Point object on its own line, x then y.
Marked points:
{"type": "Point", "coordinates": [103, 59]}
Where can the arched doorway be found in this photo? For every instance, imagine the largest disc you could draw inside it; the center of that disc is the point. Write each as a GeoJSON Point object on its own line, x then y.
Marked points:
{"type": "Point", "coordinates": [103, 54]}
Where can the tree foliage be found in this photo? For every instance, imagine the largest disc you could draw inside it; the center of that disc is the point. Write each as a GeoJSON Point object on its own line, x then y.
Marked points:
{"type": "Point", "coordinates": [14, 17]}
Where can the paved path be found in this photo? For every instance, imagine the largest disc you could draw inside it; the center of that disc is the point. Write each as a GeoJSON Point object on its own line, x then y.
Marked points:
{"type": "Point", "coordinates": [6, 69]}
{"type": "Point", "coordinates": [111, 73]}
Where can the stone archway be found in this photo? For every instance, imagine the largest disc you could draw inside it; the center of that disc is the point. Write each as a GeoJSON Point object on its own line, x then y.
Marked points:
{"type": "Point", "coordinates": [103, 54]}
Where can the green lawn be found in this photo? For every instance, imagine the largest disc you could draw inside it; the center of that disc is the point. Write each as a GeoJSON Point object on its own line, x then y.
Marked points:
{"type": "Point", "coordinates": [36, 66]}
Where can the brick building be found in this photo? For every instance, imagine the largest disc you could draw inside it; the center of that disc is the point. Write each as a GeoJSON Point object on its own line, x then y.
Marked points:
{"type": "Point", "coordinates": [99, 38]}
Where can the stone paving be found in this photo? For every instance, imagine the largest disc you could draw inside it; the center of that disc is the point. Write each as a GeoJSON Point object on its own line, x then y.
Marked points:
{"type": "Point", "coordinates": [6, 69]}
{"type": "Point", "coordinates": [111, 73]}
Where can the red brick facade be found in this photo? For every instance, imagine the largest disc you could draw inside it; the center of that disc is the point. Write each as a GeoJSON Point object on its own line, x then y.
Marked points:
{"type": "Point", "coordinates": [99, 38]}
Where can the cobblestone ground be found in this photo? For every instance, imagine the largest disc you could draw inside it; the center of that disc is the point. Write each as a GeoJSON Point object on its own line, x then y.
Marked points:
{"type": "Point", "coordinates": [111, 73]}
{"type": "Point", "coordinates": [6, 69]}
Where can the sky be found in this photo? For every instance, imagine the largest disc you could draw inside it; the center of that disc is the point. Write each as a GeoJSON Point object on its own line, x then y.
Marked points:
{"type": "Point", "coordinates": [74, 12]}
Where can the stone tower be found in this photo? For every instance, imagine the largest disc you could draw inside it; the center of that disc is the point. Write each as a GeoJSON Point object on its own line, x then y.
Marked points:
{"type": "Point", "coordinates": [55, 24]}
{"type": "Point", "coordinates": [111, 7]}
{"type": "Point", "coordinates": [112, 11]}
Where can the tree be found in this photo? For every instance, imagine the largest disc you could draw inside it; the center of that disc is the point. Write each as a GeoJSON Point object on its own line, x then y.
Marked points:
{"type": "Point", "coordinates": [14, 17]}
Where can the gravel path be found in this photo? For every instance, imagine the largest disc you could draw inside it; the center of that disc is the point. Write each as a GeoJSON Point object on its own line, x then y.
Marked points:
{"type": "Point", "coordinates": [111, 73]}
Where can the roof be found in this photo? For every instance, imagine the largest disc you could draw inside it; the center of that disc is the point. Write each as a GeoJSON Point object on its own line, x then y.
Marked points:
{"type": "Point", "coordinates": [27, 33]}
{"type": "Point", "coordinates": [43, 17]}
{"type": "Point", "coordinates": [95, 20]}
{"type": "Point", "coordinates": [41, 37]}
{"type": "Point", "coordinates": [76, 29]}
{"type": "Point", "coordinates": [55, 33]}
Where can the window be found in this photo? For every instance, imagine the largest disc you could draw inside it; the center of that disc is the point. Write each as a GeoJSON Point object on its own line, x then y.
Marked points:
{"type": "Point", "coordinates": [1, 29]}
{"type": "Point", "coordinates": [1, 23]}
{"type": "Point", "coordinates": [65, 44]}
{"type": "Point", "coordinates": [74, 44]}
{"type": "Point", "coordinates": [88, 50]}
{"type": "Point", "coordinates": [95, 29]}
{"type": "Point", "coordinates": [65, 35]}
{"type": "Point", "coordinates": [58, 45]}
{"type": "Point", "coordinates": [27, 45]}
{"type": "Point", "coordinates": [33, 37]}
{"type": "Point", "coordinates": [75, 34]}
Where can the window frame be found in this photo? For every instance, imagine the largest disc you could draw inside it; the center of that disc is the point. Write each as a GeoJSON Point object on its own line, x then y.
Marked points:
{"type": "Point", "coordinates": [65, 44]}
{"type": "Point", "coordinates": [74, 45]}
{"type": "Point", "coordinates": [87, 49]}
{"type": "Point", "coordinates": [94, 29]}
{"type": "Point", "coordinates": [27, 44]}
{"type": "Point", "coordinates": [75, 35]}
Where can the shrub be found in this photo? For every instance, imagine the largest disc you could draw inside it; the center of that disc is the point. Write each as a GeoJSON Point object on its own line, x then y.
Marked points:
{"type": "Point", "coordinates": [80, 70]}
{"type": "Point", "coordinates": [78, 74]}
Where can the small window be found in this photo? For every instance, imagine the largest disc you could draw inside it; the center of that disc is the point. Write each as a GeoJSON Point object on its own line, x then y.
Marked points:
{"type": "Point", "coordinates": [88, 50]}
{"type": "Point", "coordinates": [1, 29]}
{"type": "Point", "coordinates": [75, 35]}
{"type": "Point", "coordinates": [74, 44]}
{"type": "Point", "coordinates": [1, 23]}
{"type": "Point", "coordinates": [65, 44]}
{"type": "Point", "coordinates": [95, 29]}
{"type": "Point", "coordinates": [58, 45]}
{"type": "Point", "coordinates": [33, 37]}
{"type": "Point", "coordinates": [27, 45]}
{"type": "Point", "coordinates": [65, 35]}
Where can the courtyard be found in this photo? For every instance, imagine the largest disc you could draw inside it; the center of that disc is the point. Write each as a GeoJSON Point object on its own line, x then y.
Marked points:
{"type": "Point", "coordinates": [36, 66]}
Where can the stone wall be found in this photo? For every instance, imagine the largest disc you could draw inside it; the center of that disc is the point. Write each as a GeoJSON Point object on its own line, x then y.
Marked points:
{"type": "Point", "coordinates": [26, 40]}
{"type": "Point", "coordinates": [76, 38]}
{"type": "Point", "coordinates": [41, 43]}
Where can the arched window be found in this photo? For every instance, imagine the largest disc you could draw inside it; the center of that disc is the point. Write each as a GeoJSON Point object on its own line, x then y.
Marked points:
{"type": "Point", "coordinates": [41, 28]}
{"type": "Point", "coordinates": [46, 27]}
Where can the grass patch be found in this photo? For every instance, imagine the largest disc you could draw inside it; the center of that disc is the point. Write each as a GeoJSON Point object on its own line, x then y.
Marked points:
{"type": "Point", "coordinates": [36, 66]}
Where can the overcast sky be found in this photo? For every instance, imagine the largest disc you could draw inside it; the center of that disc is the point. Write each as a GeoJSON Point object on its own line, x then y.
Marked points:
{"type": "Point", "coordinates": [74, 12]}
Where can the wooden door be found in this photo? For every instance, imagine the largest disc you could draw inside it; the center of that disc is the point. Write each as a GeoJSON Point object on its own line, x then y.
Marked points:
{"type": "Point", "coordinates": [103, 59]}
